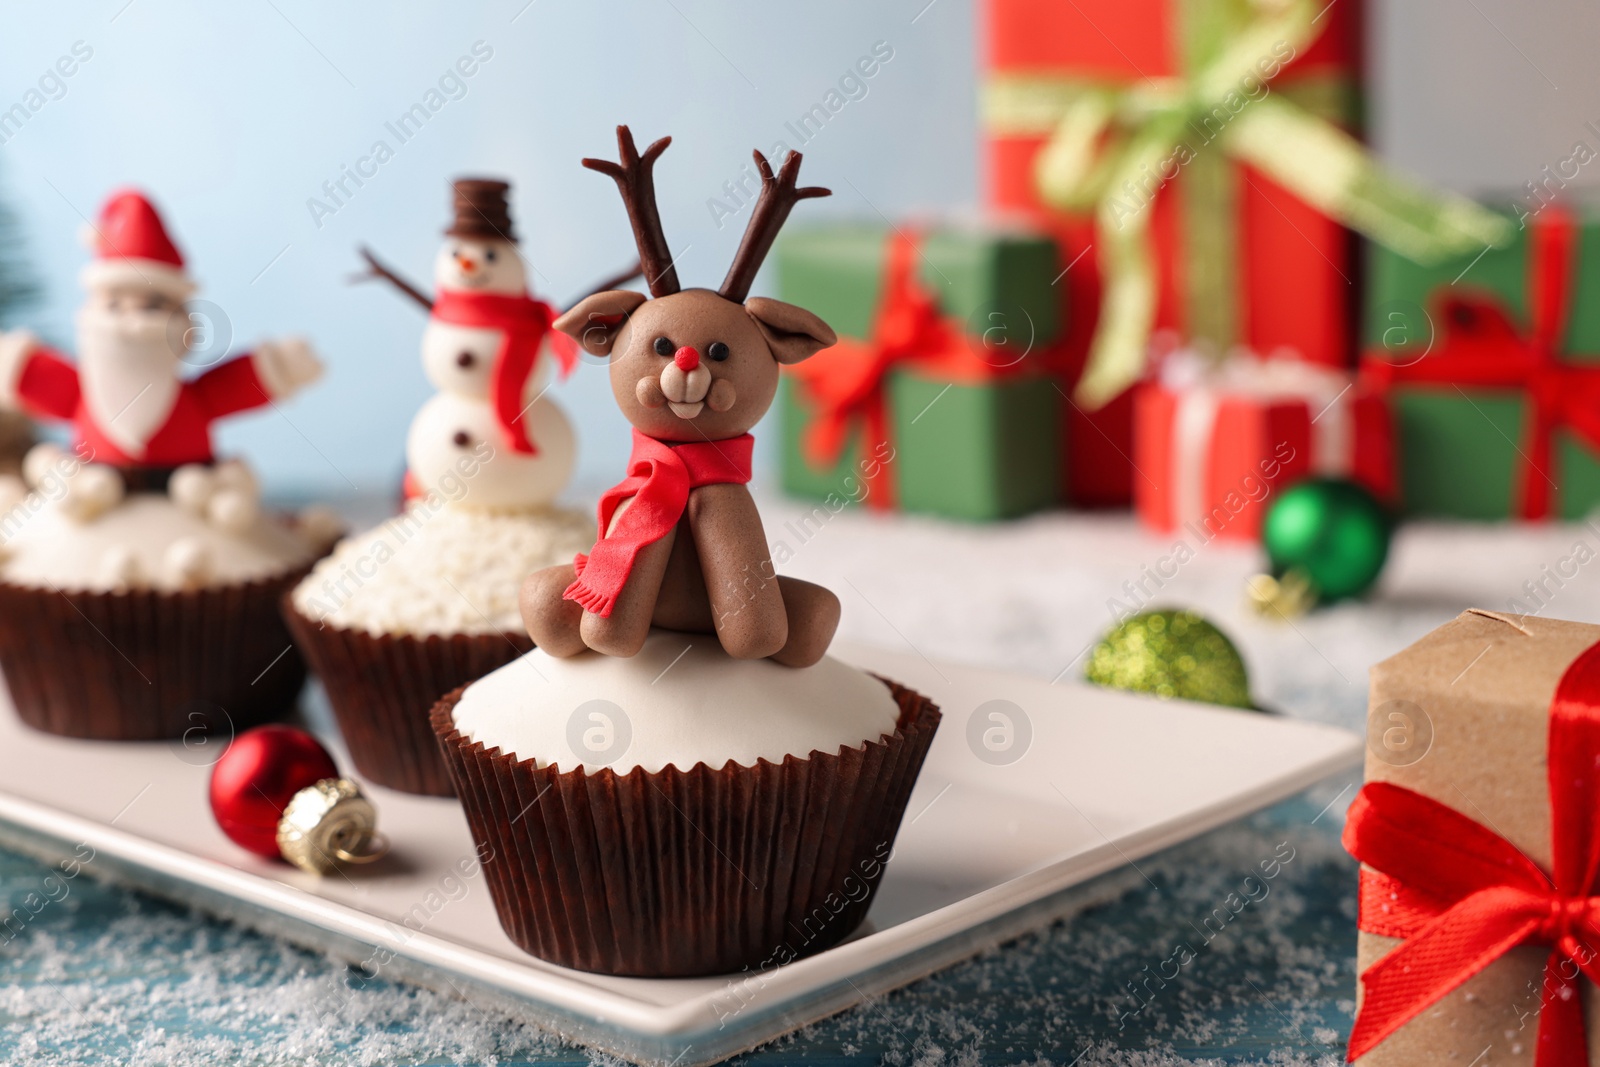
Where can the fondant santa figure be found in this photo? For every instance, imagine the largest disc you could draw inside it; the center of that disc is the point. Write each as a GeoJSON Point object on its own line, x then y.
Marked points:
{"type": "Point", "coordinates": [483, 349]}
{"type": "Point", "coordinates": [126, 395]}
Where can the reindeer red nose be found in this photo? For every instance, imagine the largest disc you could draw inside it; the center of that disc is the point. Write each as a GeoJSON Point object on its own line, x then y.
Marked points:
{"type": "Point", "coordinates": [686, 358]}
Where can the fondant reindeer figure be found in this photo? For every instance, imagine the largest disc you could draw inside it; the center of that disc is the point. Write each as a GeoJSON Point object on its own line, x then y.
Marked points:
{"type": "Point", "coordinates": [681, 543]}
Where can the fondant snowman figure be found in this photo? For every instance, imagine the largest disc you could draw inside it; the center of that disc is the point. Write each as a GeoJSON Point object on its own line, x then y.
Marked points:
{"type": "Point", "coordinates": [489, 439]}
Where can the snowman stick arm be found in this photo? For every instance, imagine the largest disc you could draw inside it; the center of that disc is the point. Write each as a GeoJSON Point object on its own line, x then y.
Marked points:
{"type": "Point", "coordinates": [377, 269]}
{"type": "Point", "coordinates": [615, 281]}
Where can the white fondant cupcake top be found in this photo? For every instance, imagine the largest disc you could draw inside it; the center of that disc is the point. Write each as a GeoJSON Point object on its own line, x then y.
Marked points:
{"type": "Point", "coordinates": [440, 569]}
{"type": "Point", "coordinates": [682, 700]}
{"type": "Point", "coordinates": [145, 541]}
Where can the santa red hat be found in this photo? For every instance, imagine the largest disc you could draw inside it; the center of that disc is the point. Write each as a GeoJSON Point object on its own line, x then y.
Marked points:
{"type": "Point", "coordinates": [132, 248]}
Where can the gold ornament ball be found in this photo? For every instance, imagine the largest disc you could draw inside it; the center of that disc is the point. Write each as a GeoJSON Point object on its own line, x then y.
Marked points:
{"type": "Point", "coordinates": [1171, 654]}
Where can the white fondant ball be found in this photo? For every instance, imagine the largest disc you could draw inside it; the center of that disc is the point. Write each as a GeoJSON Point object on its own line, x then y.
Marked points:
{"type": "Point", "coordinates": [236, 474]}
{"type": "Point", "coordinates": [233, 510]}
{"type": "Point", "coordinates": [41, 461]}
{"type": "Point", "coordinates": [447, 346]}
{"type": "Point", "coordinates": [483, 265]}
{"type": "Point", "coordinates": [484, 473]}
{"type": "Point", "coordinates": [93, 491]}
{"type": "Point", "coordinates": [190, 487]}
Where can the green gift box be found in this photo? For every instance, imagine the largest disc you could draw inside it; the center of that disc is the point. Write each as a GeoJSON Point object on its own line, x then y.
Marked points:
{"type": "Point", "coordinates": [1492, 366]}
{"type": "Point", "coordinates": [938, 398]}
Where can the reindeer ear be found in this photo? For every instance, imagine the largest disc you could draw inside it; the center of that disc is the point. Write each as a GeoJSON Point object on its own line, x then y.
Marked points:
{"type": "Point", "coordinates": [792, 332]}
{"type": "Point", "coordinates": [595, 321]}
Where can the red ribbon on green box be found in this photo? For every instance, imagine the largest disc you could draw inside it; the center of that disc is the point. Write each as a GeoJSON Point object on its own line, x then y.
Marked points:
{"type": "Point", "coordinates": [1480, 346]}
{"type": "Point", "coordinates": [845, 386]}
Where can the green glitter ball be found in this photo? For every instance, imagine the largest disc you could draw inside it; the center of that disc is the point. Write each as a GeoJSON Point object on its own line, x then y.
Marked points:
{"type": "Point", "coordinates": [1171, 654]}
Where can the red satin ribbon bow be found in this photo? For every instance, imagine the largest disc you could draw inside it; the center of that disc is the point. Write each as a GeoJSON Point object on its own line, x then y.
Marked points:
{"type": "Point", "coordinates": [1481, 346]}
{"type": "Point", "coordinates": [845, 384]}
{"type": "Point", "coordinates": [1461, 896]}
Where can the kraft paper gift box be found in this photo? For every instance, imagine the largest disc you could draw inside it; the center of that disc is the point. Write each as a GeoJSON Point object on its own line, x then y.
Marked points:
{"type": "Point", "coordinates": [1463, 729]}
{"type": "Point", "coordinates": [938, 398]}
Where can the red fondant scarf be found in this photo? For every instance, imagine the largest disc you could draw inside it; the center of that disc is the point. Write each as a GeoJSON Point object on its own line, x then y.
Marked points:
{"type": "Point", "coordinates": [525, 322]}
{"type": "Point", "coordinates": [660, 476]}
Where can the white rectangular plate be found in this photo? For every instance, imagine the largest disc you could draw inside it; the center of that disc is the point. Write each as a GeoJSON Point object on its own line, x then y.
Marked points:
{"type": "Point", "coordinates": [988, 850]}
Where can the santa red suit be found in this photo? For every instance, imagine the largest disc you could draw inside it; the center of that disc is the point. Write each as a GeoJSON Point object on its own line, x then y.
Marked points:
{"type": "Point", "coordinates": [125, 398]}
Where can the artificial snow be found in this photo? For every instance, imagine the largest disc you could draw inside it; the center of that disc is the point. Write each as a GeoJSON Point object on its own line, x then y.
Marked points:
{"type": "Point", "coordinates": [103, 975]}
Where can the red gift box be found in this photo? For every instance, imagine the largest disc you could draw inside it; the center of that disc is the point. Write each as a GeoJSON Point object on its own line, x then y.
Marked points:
{"type": "Point", "coordinates": [1213, 444]}
{"type": "Point", "coordinates": [1292, 279]}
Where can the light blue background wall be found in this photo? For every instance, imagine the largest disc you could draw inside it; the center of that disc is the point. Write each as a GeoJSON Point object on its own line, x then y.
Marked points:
{"type": "Point", "coordinates": [235, 114]}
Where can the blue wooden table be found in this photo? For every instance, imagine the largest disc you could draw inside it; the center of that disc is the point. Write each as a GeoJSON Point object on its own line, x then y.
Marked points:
{"type": "Point", "coordinates": [1205, 960]}
{"type": "Point", "coordinates": [1194, 963]}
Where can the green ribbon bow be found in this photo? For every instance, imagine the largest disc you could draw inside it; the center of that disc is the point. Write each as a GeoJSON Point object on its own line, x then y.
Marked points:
{"type": "Point", "coordinates": [1111, 147]}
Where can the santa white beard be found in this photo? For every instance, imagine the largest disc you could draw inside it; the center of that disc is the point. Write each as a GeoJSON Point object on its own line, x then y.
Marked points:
{"type": "Point", "coordinates": [128, 373]}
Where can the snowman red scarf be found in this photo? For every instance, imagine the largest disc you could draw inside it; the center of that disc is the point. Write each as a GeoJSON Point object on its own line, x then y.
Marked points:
{"type": "Point", "coordinates": [660, 475]}
{"type": "Point", "coordinates": [524, 322]}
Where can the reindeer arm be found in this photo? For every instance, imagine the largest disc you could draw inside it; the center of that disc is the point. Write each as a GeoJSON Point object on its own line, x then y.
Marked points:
{"type": "Point", "coordinates": [746, 602]}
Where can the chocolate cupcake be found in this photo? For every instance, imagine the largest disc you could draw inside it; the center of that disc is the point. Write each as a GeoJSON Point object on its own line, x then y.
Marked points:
{"type": "Point", "coordinates": [139, 577]}
{"type": "Point", "coordinates": [681, 812]}
{"type": "Point", "coordinates": [402, 614]}
{"type": "Point", "coordinates": [135, 616]}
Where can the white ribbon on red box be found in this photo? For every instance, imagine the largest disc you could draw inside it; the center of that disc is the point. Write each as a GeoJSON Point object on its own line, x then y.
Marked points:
{"type": "Point", "coordinates": [1201, 385]}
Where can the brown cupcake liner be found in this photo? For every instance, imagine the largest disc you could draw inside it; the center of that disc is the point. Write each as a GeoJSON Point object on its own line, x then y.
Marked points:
{"type": "Point", "coordinates": [683, 873]}
{"type": "Point", "coordinates": [147, 665]}
{"type": "Point", "coordinates": [382, 687]}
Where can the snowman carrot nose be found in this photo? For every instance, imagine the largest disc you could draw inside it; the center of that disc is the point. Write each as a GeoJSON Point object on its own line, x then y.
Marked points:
{"type": "Point", "coordinates": [686, 358]}
{"type": "Point", "coordinates": [466, 263]}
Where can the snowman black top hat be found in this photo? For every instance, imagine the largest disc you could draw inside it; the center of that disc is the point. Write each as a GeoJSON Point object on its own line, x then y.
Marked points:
{"type": "Point", "coordinates": [481, 209]}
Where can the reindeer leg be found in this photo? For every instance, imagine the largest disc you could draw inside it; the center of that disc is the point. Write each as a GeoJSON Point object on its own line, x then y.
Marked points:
{"type": "Point", "coordinates": [622, 633]}
{"type": "Point", "coordinates": [746, 605]}
{"type": "Point", "coordinates": [551, 621]}
{"type": "Point", "coordinates": [813, 617]}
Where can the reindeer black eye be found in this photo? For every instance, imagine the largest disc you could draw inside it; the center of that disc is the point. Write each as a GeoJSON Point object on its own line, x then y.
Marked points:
{"type": "Point", "coordinates": [664, 347]}
{"type": "Point", "coordinates": [717, 351]}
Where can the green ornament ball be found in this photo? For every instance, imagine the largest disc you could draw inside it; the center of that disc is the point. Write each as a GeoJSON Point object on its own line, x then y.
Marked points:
{"type": "Point", "coordinates": [1171, 654]}
{"type": "Point", "coordinates": [1332, 531]}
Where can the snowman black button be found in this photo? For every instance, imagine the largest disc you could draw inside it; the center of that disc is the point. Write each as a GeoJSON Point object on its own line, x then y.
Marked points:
{"type": "Point", "coordinates": [465, 360]}
{"type": "Point", "coordinates": [462, 439]}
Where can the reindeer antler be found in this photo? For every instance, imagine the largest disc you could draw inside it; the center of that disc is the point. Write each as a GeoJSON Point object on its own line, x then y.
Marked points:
{"type": "Point", "coordinates": [778, 196]}
{"type": "Point", "coordinates": [637, 185]}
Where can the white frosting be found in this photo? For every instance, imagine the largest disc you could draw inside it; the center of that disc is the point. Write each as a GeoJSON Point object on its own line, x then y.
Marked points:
{"type": "Point", "coordinates": [146, 541]}
{"type": "Point", "coordinates": [440, 568]}
{"type": "Point", "coordinates": [682, 700]}
{"type": "Point", "coordinates": [499, 478]}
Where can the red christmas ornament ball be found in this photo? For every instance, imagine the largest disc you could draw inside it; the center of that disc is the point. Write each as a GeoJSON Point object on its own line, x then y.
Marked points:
{"type": "Point", "coordinates": [257, 777]}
